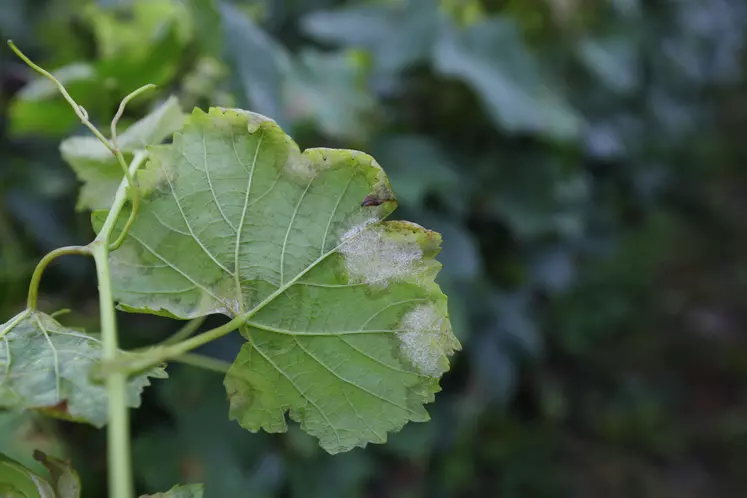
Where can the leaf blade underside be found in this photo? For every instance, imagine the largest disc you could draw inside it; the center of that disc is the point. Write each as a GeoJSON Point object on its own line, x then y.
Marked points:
{"type": "Point", "coordinates": [47, 367]}
{"type": "Point", "coordinates": [348, 333]}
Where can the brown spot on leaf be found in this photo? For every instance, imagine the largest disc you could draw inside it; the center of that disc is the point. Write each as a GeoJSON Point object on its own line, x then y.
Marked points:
{"type": "Point", "coordinates": [372, 200]}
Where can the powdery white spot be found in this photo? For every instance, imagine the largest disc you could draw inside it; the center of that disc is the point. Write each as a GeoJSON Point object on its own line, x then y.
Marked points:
{"type": "Point", "coordinates": [421, 341]}
{"type": "Point", "coordinates": [373, 257]}
{"type": "Point", "coordinates": [232, 307]}
{"type": "Point", "coordinates": [355, 229]}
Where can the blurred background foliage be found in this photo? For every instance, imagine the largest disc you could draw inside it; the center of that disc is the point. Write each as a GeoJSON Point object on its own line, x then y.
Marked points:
{"type": "Point", "coordinates": [583, 159]}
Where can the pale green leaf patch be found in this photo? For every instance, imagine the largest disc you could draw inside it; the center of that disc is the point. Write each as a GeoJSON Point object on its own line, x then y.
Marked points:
{"type": "Point", "coordinates": [346, 330]}
{"type": "Point", "coordinates": [188, 491]}
{"type": "Point", "coordinates": [97, 167]}
{"type": "Point", "coordinates": [48, 367]}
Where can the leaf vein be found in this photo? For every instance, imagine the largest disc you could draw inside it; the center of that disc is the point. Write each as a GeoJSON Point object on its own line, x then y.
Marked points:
{"type": "Point", "coordinates": [350, 382]}
{"type": "Point", "coordinates": [175, 268]}
{"type": "Point", "coordinates": [290, 226]}
{"type": "Point", "coordinates": [210, 183]}
{"type": "Point", "coordinates": [382, 363]}
{"type": "Point", "coordinates": [240, 231]}
{"type": "Point", "coordinates": [301, 392]}
{"type": "Point", "coordinates": [192, 233]}
{"type": "Point", "coordinates": [334, 211]}
{"type": "Point", "coordinates": [55, 358]}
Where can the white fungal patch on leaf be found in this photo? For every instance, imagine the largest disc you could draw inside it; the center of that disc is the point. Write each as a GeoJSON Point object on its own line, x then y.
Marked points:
{"type": "Point", "coordinates": [356, 229]}
{"type": "Point", "coordinates": [300, 168]}
{"type": "Point", "coordinates": [423, 340]}
{"type": "Point", "coordinates": [374, 257]}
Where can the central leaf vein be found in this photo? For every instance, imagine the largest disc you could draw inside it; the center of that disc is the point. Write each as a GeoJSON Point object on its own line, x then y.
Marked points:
{"type": "Point", "coordinates": [237, 248]}
{"type": "Point", "coordinates": [189, 227]}
{"type": "Point", "coordinates": [334, 211]}
{"type": "Point", "coordinates": [55, 358]}
{"type": "Point", "coordinates": [290, 227]}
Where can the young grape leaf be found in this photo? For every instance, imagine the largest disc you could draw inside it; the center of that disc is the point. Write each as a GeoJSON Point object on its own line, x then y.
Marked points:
{"type": "Point", "coordinates": [16, 481]}
{"type": "Point", "coordinates": [347, 329]}
{"type": "Point", "coordinates": [97, 167]}
{"type": "Point", "coordinates": [47, 367]}
{"type": "Point", "coordinates": [64, 478]}
{"type": "Point", "coordinates": [189, 491]}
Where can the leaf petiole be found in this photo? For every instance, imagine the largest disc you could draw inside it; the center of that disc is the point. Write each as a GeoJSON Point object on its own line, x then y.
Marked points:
{"type": "Point", "coordinates": [144, 360]}
{"type": "Point", "coordinates": [137, 161]}
{"type": "Point", "coordinates": [33, 297]}
{"type": "Point", "coordinates": [187, 331]}
{"type": "Point", "coordinates": [204, 362]}
{"type": "Point", "coordinates": [130, 176]}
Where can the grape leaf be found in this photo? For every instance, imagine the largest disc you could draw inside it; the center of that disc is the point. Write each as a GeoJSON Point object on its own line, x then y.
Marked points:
{"type": "Point", "coordinates": [97, 167]}
{"type": "Point", "coordinates": [347, 330]}
{"type": "Point", "coordinates": [64, 478]}
{"type": "Point", "coordinates": [189, 491]}
{"type": "Point", "coordinates": [47, 367]}
{"type": "Point", "coordinates": [16, 481]}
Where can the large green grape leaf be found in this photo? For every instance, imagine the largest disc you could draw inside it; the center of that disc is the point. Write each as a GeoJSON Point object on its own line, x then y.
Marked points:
{"type": "Point", "coordinates": [97, 167]}
{"type": "Point", "coordinates": [188, 491]}
{"type": "Point", "coordinates": [347, 330]}
{"type": "Point", "coordinates": [48, 367]}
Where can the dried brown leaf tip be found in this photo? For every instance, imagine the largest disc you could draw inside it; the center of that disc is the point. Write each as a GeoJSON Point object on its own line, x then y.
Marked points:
{"type": "Point", "coordinates": [372, 200]}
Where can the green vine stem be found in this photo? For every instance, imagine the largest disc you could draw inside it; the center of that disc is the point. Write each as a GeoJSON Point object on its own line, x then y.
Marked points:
{"type": "Point", "coordinates": [31, 303]}
{"type": "Point", "coordinates": [118, 428]}
{"type": "Point", "coordinates": [79, 110]}
{"type": "Point", "coordinates": [134, 195]}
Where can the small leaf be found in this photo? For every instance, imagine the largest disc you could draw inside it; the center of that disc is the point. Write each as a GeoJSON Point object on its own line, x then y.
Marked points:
{"type": "Point", "coordinates": [348, 330]}
{"type": "Point", "coordinates": [16, 481]}
{"type": "Point", "coordinates": [47, 367]}
{"type": "Point", "coordinates": [189, 491]}
{"type": "Point", "coordinates": [64, 479]}
{"type": "Point", "coordinates": [97, 167]}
